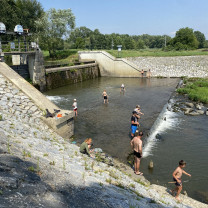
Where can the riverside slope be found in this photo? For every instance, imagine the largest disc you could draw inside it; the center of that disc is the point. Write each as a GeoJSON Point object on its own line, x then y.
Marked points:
{"type": "Point", "coordinates": [38, 168]}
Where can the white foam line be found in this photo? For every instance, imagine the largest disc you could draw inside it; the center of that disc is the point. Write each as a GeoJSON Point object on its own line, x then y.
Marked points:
{"type": "Point", "coordinates": [159, 127]}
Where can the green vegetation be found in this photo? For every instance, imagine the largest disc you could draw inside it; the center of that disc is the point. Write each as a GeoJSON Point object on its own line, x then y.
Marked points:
{"type": "Point", "coordinates": [156, 53]}
{"type": "Point", "coordinates": [52, 163]}
{"type": "Point", "coordinates": [56, 33]}
{"type": "Point", "coordinates": [196, 89]}
{"type": "Point", "coordinates": [1, 118]}
{"type": "Point", "coordinates": [31, 168]}
{"type": "Point", "coordinates": [108, 180]}
{"type": "Point", "coordinates": [70, 57]}
{"type": "Point", "coordinates": [26, 154]}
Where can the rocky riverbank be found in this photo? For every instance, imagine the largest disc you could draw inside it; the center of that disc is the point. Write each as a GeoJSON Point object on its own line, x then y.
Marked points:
{"type": "Point", "coordinates": [189, 66]}
{"type": "Point", "coordinates": [38, 168]}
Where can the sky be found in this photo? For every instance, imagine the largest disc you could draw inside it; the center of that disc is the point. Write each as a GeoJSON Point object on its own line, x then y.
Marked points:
{"type": "Point", "coordinates": [136, 17]}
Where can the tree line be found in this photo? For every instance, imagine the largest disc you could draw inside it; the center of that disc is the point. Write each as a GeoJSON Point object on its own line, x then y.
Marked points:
{"type": "Point", "coordinates": [55, 30]}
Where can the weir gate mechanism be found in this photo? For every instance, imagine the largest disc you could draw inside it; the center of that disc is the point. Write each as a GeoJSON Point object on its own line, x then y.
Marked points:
{"type": "Point", "coordinates": [22, 55]}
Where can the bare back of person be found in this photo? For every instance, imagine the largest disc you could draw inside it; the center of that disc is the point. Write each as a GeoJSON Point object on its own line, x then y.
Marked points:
{"type": "Point", "coordinates": [137, 143]}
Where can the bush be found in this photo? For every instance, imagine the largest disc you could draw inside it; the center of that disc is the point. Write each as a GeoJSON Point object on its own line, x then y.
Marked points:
{"type": "Point", "coordinates": [62, 54]}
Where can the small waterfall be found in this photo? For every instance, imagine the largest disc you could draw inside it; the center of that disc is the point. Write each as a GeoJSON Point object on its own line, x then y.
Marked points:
{"type": "Point", "coordinates": [166, 120]}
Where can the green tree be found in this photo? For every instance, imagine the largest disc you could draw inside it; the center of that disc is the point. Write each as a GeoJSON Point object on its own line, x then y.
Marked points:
{"type": "Point", "coordinates": [53, 27]}
{"type": "Point", "coordinates": [8, 14]}
{"type": "Point", "coordinates": [201, 38]}
{"type": "Point", "coordinates": [140, 44]}
{"type": "Point", "coordinates": [186, 38]}
{"type": "Point", "coordinates": [28, 12]}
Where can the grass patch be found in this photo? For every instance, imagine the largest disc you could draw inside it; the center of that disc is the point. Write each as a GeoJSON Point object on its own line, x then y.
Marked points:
{"type": "Point", "coordinates": [156, 53]}
{"type": "Point", "coordinates": [196, 89]}
{"type": "Point", "coordinates": [108, 180]}
{"type": "Point", "coordinates": [141, 182]}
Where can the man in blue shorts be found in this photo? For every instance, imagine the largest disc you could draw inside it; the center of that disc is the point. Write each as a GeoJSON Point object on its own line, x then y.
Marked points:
{"type": "Point", "coordinates": [134, 123]}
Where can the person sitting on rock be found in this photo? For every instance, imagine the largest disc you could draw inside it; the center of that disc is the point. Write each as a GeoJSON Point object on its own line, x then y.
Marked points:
{"type": "Point", "coordinates": [85, 147]}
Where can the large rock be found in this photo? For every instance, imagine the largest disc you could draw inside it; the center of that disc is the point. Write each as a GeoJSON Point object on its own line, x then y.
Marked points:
{"type": "Point", "coordinates": [201, 112]}
{"type": "Point", "coordinates": [188, 110]}
{"type": "Point", "coordinates": [191, 105]}
{"type": "Point", "coordinates": [194, 114]}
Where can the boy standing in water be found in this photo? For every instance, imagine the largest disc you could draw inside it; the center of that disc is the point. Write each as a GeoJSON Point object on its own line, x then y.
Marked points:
{"type": "Point", "coordinates": [136, 144]}
{"type": "Point", "coordinates": [177, 174]}
{"type": "Point", "coordinates": [105, 96]}
{"type": "Point", "coordinates": [75, 106]}
{"type": "Point", "coordinates": [122, 88]}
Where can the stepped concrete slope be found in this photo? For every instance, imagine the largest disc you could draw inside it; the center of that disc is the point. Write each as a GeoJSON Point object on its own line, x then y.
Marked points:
{"type": "Point", "coordinates": [39, 168]}
{"type": "Point", "coordinates": [111, 66]}
{"type": "Point", "coordinates": [64, 126]}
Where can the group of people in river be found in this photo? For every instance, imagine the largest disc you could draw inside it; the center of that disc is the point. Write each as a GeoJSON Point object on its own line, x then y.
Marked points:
{"type": "Point", "coordinates": [136, 138]}
{"type": "Point", "coordinates": [136, 144]}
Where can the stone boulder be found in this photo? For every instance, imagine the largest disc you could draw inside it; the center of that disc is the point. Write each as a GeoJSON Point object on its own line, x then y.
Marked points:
{"type": "Point", "coordinates": [191, 105]}
{"type": "Point", "coordinates": [201, 112]}
{"type": "Point", "coordinates": [187, 111]}
{"type": "Point", "coordinates": [194, 114]}
{"type": "Point", "coordinates": [206, 112]}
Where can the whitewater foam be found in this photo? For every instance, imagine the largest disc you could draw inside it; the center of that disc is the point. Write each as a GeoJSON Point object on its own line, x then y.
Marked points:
{"type": "Point", "coordinates": [166, 120]}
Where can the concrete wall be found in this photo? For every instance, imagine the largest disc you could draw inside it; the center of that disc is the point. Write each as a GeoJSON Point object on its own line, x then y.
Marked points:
{"type": "Point", "coordinates": [111, 66]}
{"type": "Point", "coordinates": [63, 126]}
{"type": "Point", "coordinates": [61, 76]}
{"type": "Point", "coordinates": [178, 66]}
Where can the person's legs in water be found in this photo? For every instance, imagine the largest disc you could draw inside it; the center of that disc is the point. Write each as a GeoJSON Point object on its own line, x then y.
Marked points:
{"type": "Point", "coordinates": [133, 130]}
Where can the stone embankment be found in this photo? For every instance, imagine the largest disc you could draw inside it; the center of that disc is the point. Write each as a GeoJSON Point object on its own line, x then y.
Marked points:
{"type": "Point", "coordinates": [39, 168]}
{"type": "Point", "coordinates": [190, 66]}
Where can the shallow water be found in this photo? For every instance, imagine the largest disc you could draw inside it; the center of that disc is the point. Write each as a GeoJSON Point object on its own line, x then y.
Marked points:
{"type": "Point", "coordinates": [182, 137]}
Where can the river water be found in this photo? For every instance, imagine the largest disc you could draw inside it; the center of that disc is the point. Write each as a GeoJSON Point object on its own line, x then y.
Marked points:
{"type": "Point", "coordinates": [181, 137]}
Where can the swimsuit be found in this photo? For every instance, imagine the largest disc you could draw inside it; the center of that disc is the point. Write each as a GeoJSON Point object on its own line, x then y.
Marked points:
{"type": "Point", "coordinates": [105, 97]}
{"type": "Point", "coordinates": [137, 154]}
{"type": "Point", "coordinates": [176, 182]}
{"type": "Point", "coordinates": [133, 128]}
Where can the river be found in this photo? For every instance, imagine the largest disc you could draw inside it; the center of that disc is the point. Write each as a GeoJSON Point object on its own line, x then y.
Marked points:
{"type": "Point", "coordinates": [181, 137]}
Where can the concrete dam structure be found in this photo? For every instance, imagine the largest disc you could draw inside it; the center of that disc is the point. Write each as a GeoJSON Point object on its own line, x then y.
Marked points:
{"type": "Point", "coordinates": [111, 66]}
{"type": "Point", "coordinates": [64, 126]}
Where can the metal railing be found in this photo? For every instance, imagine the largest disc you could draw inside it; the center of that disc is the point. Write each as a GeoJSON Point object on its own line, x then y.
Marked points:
{"type": "Point", "coordinates": [17, 46]}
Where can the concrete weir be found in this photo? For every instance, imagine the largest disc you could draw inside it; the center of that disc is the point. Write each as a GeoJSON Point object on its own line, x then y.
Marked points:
{"type": "Point", "coordinates": [63, 126]}
{"type": "Point", "coordinates": [111, 66]}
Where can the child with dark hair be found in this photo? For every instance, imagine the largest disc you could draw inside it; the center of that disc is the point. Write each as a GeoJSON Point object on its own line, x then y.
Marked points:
{"type": "Point", "coordinates": [177, 174]}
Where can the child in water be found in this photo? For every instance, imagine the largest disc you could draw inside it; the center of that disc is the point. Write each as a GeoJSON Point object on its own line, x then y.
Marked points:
{"type": "Point", "coordinates": [105, 96]}
{"type": "Point", "coordinates": [75, 106]}
{"type": "Point", "coordinates": [177, 174]}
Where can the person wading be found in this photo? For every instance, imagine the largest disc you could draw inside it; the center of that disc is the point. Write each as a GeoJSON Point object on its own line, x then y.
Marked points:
{"type": "Point", "coordinates": [136, 144]}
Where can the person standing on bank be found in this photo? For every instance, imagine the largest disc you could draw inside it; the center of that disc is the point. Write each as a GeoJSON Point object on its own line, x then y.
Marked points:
{"type": "Point", "coordinates": [105, 96]}
{"type": "Point", "coordinates": [136, 144]}
{"type": "Point", "coordinates": [75, 106]}
{"type": "Point", "coordinates": [134, 123]}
